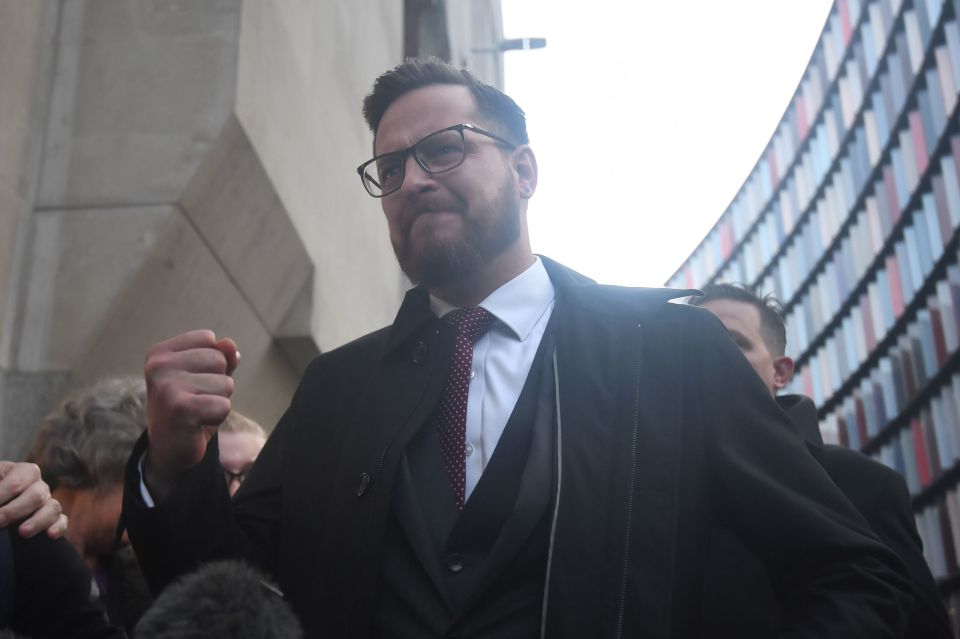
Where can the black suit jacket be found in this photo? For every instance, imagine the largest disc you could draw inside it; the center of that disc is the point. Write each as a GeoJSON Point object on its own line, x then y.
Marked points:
{"type": "Point", "coordinates": [739, 598]}
{"type": "Point", "coordinates": [662, 432]}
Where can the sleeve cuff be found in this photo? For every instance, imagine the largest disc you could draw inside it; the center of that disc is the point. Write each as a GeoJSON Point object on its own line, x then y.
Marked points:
{"type": "Point", "coordinates": [144, 491]}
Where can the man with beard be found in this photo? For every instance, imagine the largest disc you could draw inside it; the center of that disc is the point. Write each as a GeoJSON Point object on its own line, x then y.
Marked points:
{"type": "Point", "coordinates": [521, 453]}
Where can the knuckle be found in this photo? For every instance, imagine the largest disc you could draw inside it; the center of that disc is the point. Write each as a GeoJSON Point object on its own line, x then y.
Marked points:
{"type": "Point", "coordinates": [218, 362]}
{"type": "Point", "coordinates": [156, 363]}
{"type": "Point", "coordinates": [17, 485]}
{"type": "Point", "coordinates": [182, 408]}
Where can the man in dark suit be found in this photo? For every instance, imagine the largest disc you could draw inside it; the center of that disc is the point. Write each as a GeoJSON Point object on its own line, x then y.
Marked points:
{"type": "Point", "coordinates": [521, 453]}
{"type": "Point", "coordinates": [739, 599]}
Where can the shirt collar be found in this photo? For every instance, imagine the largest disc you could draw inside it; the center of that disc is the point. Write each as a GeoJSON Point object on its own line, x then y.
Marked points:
{"type": "Point", "coordinates": [518, 304]}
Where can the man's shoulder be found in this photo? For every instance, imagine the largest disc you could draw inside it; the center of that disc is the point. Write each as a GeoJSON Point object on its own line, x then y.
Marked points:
{"type": "Point", "coordinates": [357, 352]}
{"type": "Point", "coordinates": [863, 479]}
{"type": "Point", "coordinates": [843, 458]}
{"type": "Point", "coordinates": [577, 291]}
{"type": "Point", "coordinates": [657, 309]}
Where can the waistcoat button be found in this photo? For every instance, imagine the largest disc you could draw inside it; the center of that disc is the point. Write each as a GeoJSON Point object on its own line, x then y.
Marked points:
{"type": "Point", "coordinates": [454, 562]}
{"type": "Point", "coordinates": [419, 354]}
{"type": "Point", "coordinates": [362, 486]}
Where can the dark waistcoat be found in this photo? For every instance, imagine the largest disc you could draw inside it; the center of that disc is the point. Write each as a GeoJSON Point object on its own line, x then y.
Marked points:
{"type": "Point", "coordinates": [476, 572]}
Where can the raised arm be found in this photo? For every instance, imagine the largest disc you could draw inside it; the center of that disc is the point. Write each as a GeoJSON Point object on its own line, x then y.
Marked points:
{"type": "Point", "coordinates": [178, 511]}
{"type": "Point", "coordinates": [188, 391]}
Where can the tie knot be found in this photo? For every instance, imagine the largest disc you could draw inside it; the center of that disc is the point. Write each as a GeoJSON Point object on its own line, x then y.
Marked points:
{"type": "Point", "coordinates": [471, 322]}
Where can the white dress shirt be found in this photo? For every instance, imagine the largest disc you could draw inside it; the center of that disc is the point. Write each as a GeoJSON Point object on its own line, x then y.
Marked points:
{"type": "Point", "coordinates": [501, 360]}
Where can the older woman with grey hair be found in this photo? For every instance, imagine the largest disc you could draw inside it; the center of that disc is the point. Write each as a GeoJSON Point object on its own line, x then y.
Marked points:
{"type": "Point", "coordinates": [82, 449]}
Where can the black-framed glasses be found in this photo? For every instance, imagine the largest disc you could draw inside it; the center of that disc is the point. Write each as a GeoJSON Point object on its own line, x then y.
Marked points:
{"type": "Point", "coordinates": [441, 151]}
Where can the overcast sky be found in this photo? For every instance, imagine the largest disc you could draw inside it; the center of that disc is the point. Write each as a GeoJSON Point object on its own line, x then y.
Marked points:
{"type": "Point", "coordinates": [646, 117]}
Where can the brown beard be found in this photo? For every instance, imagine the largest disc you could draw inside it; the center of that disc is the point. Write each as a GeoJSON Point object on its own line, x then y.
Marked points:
{"type": "Point", "coordinates": [484, 237]}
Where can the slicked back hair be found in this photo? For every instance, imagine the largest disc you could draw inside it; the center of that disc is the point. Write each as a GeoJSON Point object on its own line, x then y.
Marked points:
{"type": "Point", "coordinates": [496, 109]}
{"type": "Point", "coordinates": [772, 327]}
{"type": "Point", "coordinates": [85, 443]}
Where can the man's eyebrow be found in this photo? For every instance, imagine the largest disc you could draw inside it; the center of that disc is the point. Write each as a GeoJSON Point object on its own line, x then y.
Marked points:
{"type": "Point", "coordinates": [735, 334]}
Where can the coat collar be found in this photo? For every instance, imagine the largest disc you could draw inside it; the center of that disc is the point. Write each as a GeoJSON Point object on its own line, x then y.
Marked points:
{"type": "Point", "coordinates": [634, 302]}
{"type": "Point", "coordinates": [570, 286]}
{"type": "Point", "coordinates": [413, 314]}
{"type": "Point", "coordinates": [803, 413]}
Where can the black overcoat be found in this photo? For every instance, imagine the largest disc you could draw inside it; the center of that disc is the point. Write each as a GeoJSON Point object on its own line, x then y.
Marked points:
{"type": "Point", "coordinates": [738, 599]}
{"type": "Point", "coordinates": [663, 431]}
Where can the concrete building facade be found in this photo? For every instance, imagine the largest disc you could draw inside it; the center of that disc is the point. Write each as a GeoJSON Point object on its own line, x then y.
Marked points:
{"type": "Point", "coordinates": [172, 165]}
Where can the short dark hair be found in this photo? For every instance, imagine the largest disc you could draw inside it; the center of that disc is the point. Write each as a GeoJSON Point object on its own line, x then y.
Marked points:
{"type": "Point", "coordinates": [772, 327]}
{"type": "Point", "coordinates": [221, 600]}
{"type": "Point", "coordinates": [498, 110]}
{"type": "Point", "coordinates": [85, 443]}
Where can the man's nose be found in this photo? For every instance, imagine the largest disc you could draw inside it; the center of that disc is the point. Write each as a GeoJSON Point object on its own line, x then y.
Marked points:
{"type": "Point", "coordinates": [416, 179]}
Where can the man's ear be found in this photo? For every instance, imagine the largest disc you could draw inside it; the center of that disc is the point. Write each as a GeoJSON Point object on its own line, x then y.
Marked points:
{"type": "Point", "coordinates": [782, 372]}
{"type": "Point", "coordinates": [525, 166]}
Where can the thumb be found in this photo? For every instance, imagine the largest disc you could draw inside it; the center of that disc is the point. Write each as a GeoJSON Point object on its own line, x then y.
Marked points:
{"type": "Point", "coordinates": [229, 349]}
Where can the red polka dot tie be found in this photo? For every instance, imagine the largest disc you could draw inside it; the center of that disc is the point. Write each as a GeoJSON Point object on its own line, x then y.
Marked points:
{"type": "Point", "coordinates": [451, 419]}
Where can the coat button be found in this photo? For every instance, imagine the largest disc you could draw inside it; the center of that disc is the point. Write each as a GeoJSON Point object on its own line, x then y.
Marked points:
{"type": "Point", "coordinates": [362, 486]}
{"type": "Point", "coordinates": [419, 354]}
{"type": "Point", "coordinates": [454, 562]}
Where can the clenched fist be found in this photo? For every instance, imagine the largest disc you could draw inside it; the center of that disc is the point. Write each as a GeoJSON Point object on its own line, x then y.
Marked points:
{"type": "Point", "coordinates": [188, 388]}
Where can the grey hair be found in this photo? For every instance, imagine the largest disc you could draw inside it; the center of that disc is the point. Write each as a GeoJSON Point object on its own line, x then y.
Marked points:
{"type": "Point", "coordinates": [86, 441]}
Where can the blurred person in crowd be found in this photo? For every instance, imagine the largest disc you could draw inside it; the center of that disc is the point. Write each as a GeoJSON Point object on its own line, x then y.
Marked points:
{"type": "Point", "coordinates": [81, 449]}
{"type": "Point", "coordinates": [221, 600]}
{"type": "Point", "coordinates": [240, 440]}
{"type": "Point", "coordinates": [44, 586]}
{"type": "Point", "coordinates": [522, 453]}
{"type": "Point", "coordinates": [739, 597]}
{"type": "Point", "coordinates": [45, 591]}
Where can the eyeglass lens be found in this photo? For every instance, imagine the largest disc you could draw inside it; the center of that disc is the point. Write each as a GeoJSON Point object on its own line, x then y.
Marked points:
{"type": "Point", "coordinates": [438, 152]}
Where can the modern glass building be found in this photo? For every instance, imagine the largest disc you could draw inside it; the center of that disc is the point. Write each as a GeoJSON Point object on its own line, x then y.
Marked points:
{"type": "Point", "coordinates": [851, 217]}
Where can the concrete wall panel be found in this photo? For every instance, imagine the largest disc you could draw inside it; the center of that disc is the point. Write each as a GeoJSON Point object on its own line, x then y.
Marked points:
{"type": "Point", "coordinates": [80, 262]}
{"type": "Point", "coordinates": [25, 399]}
{"type": "Point", "coordinates": [143, 88]}
{"type": "Point", "coordinates": [25, 32]}
{"type": "Point", "coordinates": [180, 287]}
{"type": "Point", "coordinates": [304, 69]}
{"type": "Point", "coordinates": [235, 209]}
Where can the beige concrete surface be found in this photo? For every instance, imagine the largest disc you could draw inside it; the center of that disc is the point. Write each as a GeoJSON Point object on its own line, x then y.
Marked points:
{"type": "Point", "coordinates": [169, 165]}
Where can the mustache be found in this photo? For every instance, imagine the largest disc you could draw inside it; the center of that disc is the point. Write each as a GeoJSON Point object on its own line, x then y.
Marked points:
{"type": "Point", "coordinates": [432, 204]}
{"type": "Point", "coordinates": [436, 204]}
